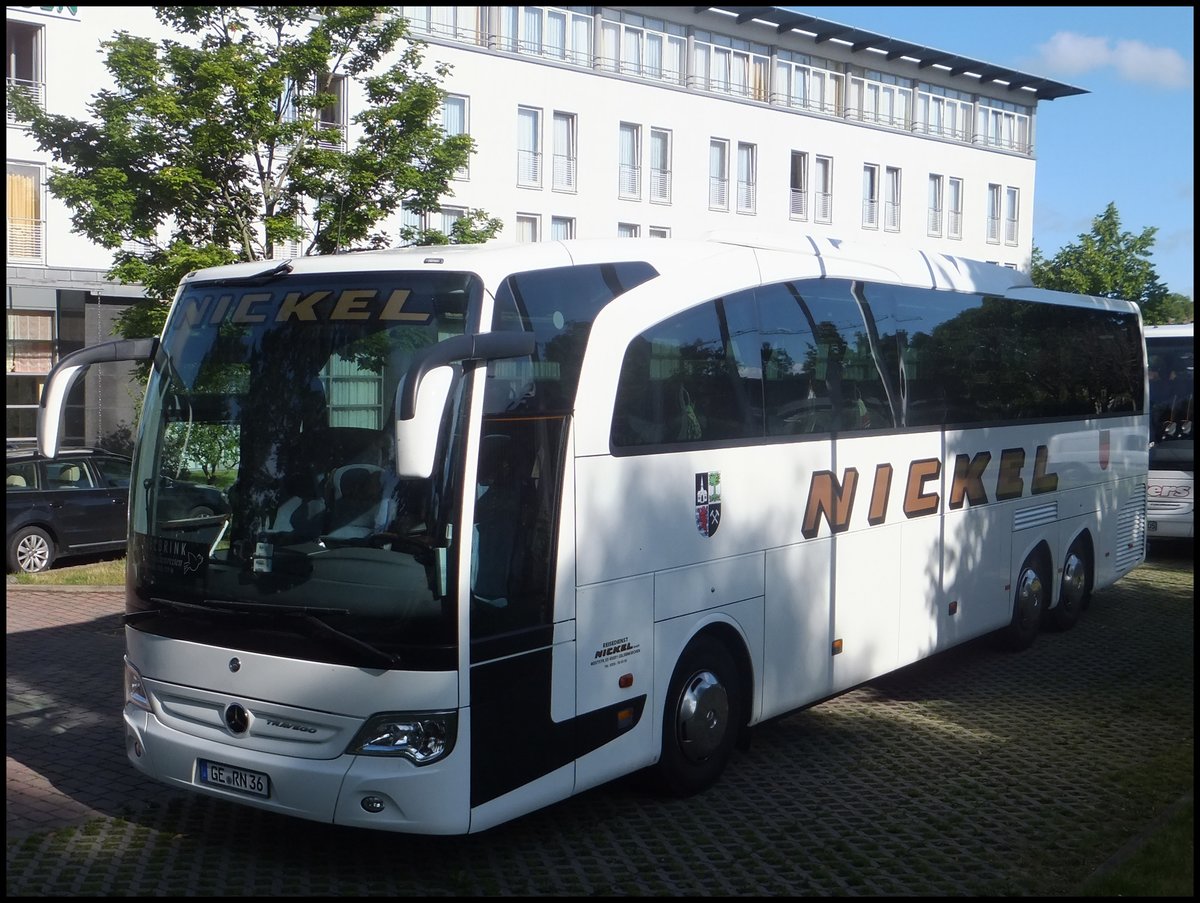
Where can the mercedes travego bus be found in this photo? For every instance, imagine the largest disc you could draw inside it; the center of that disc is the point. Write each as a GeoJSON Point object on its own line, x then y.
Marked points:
{"type": "Point", "coordinates": [508, 522]}
{"type": "Point", "coordinates": [1171, 490]}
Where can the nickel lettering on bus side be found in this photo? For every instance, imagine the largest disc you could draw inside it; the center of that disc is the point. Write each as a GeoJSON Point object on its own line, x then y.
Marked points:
{"type": "Point", "coordinates": [833, 499]}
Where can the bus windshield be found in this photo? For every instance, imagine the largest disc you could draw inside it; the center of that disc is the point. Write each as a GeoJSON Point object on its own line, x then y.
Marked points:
{"type": "Point", "coordinates": [287, 389]}
{"type": "Point", "coordinates": [1171, 372]}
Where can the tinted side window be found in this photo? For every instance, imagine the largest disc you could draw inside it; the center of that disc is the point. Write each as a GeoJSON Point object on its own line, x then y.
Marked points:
{"type": "Point", "coordinates": [558, 306]}
{"type": "Point", "coordinates": [696, 377]}
{"type": "Point", "coordinates": [820, 374]}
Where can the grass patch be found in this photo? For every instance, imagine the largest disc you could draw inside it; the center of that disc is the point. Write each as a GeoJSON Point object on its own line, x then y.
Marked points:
{"type": "Point", "coordinates": [105, 572]}
{"type": "Point", "coordinates": [1161, 868]}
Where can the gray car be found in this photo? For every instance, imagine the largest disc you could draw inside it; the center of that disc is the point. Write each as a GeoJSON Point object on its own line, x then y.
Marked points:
{"type": "Point", "coordinates": [77, 503]}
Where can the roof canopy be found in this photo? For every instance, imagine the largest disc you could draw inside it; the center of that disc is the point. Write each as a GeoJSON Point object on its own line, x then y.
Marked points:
{"type": "Point", "coordinates": [859, 41]}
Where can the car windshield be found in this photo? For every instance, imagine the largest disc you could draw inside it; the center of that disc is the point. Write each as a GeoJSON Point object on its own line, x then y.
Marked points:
{"type": "Point", "coordinates": [286, 391]}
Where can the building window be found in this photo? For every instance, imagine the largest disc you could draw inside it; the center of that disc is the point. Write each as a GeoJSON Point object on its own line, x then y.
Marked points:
{"type": "Point", "coordinates": [24, 68]}
{"type": "Point", "coordinates": [332, 117]}
{"type": "Point", "coordinates": [807, 83]}
{"type": "Point", "coordinates": [943, 112]}
{"type": "Point", "coordinates": [870, 199]}
{"type": "Point", "coordinates": [628, 230]}
{"type": "Point", "coordinates": [562, 228]}
{"type": "Point", "coordinates": [529, 147]}
{"type": "Point", "coordinates": [454, 122]}
{"type": "Point", "coordinates": [450, 215]}
{"type": "Point", "coordinates": [891, 199]}
{"type": "Point", "coordinates": [564, 152]}
{"type": "Point", "coordinates": [1002, 124]}
{"type": "Point", "coordinates": [954, 210]}
{"type": "Point", "coordinates": [936, 206]}
{"type": "Point", "coordinates": [529, 227]}
{"type": "Point", "coordinates": [630, 175]}
{"type": "Point", "coordinates": [459, 22]}
{"type": "Point", "coordinates": [993, 214]}
{"type": "Point", "coordinates": [26, 228]}
{"type": "Point", "coordinates": [660, 166]}
{"type": "Point", "coordinates": [824, 196]}
{"type": "Point", "coordinates": [879, 98]}
{"type": "Point", "coordinates": [545, 31]}
{"type": "Point", "coordinates": [718, 174]}
{"type": "Point", "coordinates": [730, 65]}
{"type": "Point", "coordinates": [638, 45]}
{"type": "Point", "coordinates": [747, 177]}
{"type": "Point", "coordinates": [30, 348]}
{"type": "Point", "coordinates": [798, 201]}
{"type": "Point", "coordinates": [1011, 212]}
{"type": "Point", "coordinates": [658, 232]}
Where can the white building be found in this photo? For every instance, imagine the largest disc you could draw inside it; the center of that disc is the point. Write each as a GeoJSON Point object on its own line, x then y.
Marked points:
{"type": "Point", "coordinates": [597, 121]}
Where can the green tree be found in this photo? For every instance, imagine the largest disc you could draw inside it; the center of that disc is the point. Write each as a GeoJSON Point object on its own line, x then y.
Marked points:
{"type": "Point", "coordinates": [1106, 262]}
{"type": "Point", "coordinates": [1174, 308]}
{"type": "Point", "coordinates": [222, 140]}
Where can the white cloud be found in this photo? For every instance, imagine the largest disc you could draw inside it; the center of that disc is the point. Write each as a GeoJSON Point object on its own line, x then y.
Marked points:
{"type": "Point", "coordinates": [1072, 53]}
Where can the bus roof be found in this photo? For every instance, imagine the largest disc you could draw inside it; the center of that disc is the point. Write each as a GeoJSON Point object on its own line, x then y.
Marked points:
{"type": "Point", "coordinates": [827, 256]}
{"type": "Point", "coordinates": [1170, 331]}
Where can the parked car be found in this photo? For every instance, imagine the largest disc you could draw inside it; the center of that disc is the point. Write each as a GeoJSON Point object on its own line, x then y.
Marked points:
{"type": "Point", "coordinates": [77, 504]}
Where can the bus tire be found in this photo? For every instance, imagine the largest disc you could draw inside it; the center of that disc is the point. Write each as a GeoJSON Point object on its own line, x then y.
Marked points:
{"type": "Point", "coordinates": [702, 718]}
{"type": "Point", "coordinates": [1029, 604]}
{"type": "Point", "coordinates": [1075, 591]}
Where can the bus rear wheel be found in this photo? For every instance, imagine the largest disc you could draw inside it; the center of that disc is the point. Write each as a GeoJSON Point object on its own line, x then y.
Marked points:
{"type": "Point", "coordinates": [1029, 604]}
{"type": "Point", "coordinates": [702, 718]}
{"type": "Point", "coordinates": [1076, 589]}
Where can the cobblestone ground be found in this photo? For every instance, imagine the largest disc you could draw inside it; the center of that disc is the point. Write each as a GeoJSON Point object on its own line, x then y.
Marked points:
{"type": "Point", "coordinates": [974, 773]}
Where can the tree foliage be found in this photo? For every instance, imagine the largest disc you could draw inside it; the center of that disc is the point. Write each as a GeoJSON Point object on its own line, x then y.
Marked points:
{"type": "Point", "coordinates": [222, 140]}
{"type": "Point", "coordinates": [1109, 263]}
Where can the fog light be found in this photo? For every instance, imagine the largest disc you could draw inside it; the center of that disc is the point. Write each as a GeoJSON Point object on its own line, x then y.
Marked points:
{"type": "Point", "coordinates": [372, 804]}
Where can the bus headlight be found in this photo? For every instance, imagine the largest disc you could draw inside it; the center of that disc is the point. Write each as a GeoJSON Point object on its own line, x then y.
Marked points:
{"type": "Point", "coordinates": [420, 737]}
{"type": "Point", "coordinates": [134, 691]}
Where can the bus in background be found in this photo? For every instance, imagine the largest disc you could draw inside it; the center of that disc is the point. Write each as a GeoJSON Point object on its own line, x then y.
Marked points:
{"type": "Point", "coordinates": [1170, 490]}
{"type": "Point", "coordinates": [509, 522]}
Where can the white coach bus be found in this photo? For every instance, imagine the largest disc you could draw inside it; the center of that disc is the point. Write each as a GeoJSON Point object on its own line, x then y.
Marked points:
{"type": "Point", "coordinates": [1171, 486]}
{"type": "Point", "coordinates": [510, 522]}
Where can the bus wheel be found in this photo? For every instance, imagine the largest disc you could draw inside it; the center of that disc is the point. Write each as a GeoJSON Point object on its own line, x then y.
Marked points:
{"type": "Point", "coordinates": [1076, 589]}
{"type": "Point", "coordinates": [1029, 605]}
{"type": "Point", "coordinates": [702, 719]}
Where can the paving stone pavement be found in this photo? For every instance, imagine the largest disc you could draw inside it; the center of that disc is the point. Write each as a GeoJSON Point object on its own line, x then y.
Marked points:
{"type": "Point", "coordinates": [974, 773]}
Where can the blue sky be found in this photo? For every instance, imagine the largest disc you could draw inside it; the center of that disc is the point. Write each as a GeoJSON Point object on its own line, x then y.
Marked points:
{"type": "Point", "coordinates": [1129, 141]}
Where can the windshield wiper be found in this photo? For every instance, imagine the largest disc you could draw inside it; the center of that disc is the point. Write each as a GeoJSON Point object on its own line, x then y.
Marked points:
{"type": "Point", "coordinates": [305, 614]}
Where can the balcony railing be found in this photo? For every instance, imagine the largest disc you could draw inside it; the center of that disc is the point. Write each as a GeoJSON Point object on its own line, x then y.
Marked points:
{"type": "Point", "coordinates": [798, 204]}
{"type": "Point", "coordinates": [718, 193]}
{"type": "Point", "coordinates": [891, 216]}
{"type": "Point", "coordinates": [746, 194]}
{"type": "Point", "coordinates": [870, 214]}
{"type": "Point", "coordinates": [26, 239]}
{"type": "Point", "coordinates": [35, 91]}
{"type": "Point", "coordinates": [564, 172]}
{"type": "Point", "coordinates": [529, 168]}
{"type": "Point", "coordinates": [630, 181]}
{"type": "Point", "coordinates": [954, 224]}
{"type": "Point", "coordinates": [660, 185]}
{"type": "Point", "coordinates": [823, 212]}
{"type": "Point", "coordinates": [934, 223]}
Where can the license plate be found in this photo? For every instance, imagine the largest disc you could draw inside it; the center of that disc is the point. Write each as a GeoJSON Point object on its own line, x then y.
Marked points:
{"type": "Point", "coordinates": [243, 781]}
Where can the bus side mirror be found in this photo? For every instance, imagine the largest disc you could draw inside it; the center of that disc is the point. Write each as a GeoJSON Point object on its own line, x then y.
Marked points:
{"type": "Point", "coordinates": [417, 437]}
{"type": "Point", "coordinates": [66, 373]}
